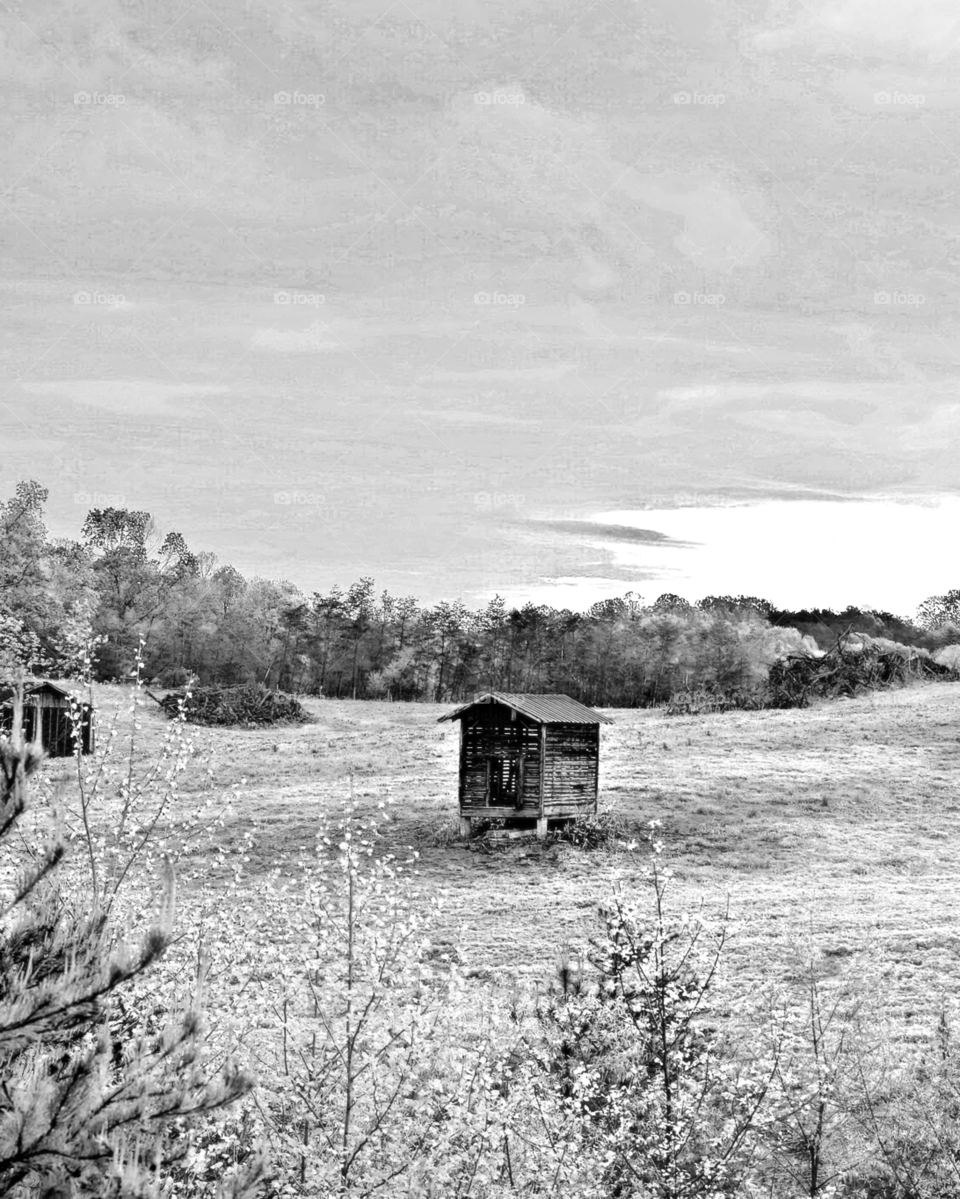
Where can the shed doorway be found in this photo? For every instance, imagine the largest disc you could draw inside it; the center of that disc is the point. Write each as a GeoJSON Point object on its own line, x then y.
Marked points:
{"type": "Point", "coordinates": [504, 780]}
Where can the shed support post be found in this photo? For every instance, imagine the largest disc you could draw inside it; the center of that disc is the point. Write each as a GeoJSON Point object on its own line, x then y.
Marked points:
{"type": "Point", "coordinates": [542, 828]}
{"type": "Point", "coordinates": [464, 827]}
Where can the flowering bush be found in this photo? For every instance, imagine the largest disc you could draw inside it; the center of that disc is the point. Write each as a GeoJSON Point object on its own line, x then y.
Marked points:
{"type": "Point", "coordinates": [661, 1099]}
{"type": "Point", "coordinates": [89, 1090]}
{"type": "Point", "coordinates": [386, 1068]}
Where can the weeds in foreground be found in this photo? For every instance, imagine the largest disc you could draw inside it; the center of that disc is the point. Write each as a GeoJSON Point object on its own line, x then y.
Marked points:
{"type": "Point", "coordinates": [388, 1068]}
{"type": "Point", "coordinates": [92, 1088]}
{"type": "Point", "coordinates": [439, 833]}
{"type": "Point", "coordinates": [603, 830]}
{"type": "Point", "coordinates": [600, 830]}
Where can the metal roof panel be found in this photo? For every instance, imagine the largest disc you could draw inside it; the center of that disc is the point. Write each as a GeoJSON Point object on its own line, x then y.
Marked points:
{"type": "Point", "coordinates": [544, 709]}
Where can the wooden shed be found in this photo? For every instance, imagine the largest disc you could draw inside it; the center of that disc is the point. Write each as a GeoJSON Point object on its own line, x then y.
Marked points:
{"type": "Point", "coordinates": [533, 757]}
{"type": "Point", "coordinates": [47, 716]}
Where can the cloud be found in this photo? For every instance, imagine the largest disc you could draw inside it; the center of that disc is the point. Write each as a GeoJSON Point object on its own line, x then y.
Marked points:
{"type": "Point", "coordinates": [127, 397]}
{"type": "Point", "coordinates": [596, 530]}
{"type": "Point", "coordinates": [930, 27]}
{"type": "Point", "coordinates": [313, 339]}
{"type": "Point", "coordinates": [718, 234]}
{"type": "Point", "coordinates": [594, 275]}
{"type": "Point", "coordinates": [528, 376]}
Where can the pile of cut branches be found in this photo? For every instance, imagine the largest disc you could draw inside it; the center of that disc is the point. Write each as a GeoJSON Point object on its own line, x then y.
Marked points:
{"type": "Point", "coordinates": [796, 680]}
{"type": "Point", "coordinates": [248, 705]}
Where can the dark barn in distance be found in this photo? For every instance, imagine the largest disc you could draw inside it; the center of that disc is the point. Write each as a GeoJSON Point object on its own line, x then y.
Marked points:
{"type": "Point", "coordinates": [47, 715]}
{"type": "Point", "coordinates": [532, 757]}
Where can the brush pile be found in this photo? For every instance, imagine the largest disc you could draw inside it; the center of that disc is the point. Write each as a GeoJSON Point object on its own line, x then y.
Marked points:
{"type": "Point", "coordinates": [846, 670]}
{"type": "Point", "coordinates": [249, 706]}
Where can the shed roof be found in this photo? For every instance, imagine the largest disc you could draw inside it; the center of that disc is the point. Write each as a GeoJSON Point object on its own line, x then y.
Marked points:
{"type": "Point", "coordinates": [7, 692]}
{"type": "Point", "coordinates": [544, 709]}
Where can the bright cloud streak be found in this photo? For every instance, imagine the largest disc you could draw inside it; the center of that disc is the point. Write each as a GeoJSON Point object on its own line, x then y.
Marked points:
{"type": "Point", "coordinates": [871, 553]}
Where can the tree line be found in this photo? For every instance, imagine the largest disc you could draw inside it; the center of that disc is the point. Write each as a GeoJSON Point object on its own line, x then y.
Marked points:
{"type": "Point", "coordinates": [124, 583]}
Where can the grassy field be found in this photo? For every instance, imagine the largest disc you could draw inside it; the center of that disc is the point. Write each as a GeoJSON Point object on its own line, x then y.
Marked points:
{"type": "Point", "coordinates": [842, 821]}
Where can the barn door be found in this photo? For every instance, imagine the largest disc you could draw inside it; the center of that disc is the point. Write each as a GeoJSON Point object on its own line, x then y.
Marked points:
{"type": "Point", "coordinates": [505, 780]}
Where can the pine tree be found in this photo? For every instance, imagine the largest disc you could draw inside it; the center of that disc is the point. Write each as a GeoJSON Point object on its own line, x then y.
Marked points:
{"type": "Point", "coordinates": [81, 1113]}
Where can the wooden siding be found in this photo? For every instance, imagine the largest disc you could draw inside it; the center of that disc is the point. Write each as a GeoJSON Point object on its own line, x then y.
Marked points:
{"type": "Point", "coordinates": [53, 724]}
{"type": "Point", "coordinates": [489, 735]}
{"type": "Point", "coordinates": [571, 761]}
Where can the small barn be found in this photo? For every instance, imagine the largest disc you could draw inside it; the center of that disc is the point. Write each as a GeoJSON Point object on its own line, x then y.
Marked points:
{"type": "Point", "coordinates": [528, 757]}
{"type": "Point", "coordinates": [48, 716]}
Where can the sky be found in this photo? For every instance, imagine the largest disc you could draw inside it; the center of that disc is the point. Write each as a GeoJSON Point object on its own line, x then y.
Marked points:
{"type": "Point", "coordinates": [547, 299]}
{"type": "Point", "coordinates": [765, 548]}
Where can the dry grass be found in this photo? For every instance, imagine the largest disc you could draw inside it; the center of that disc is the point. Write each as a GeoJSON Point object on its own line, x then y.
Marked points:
{"type": "Point", "coordinates": [842, 819]}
